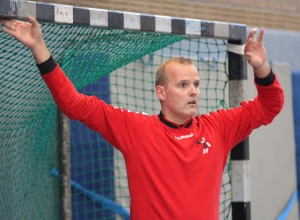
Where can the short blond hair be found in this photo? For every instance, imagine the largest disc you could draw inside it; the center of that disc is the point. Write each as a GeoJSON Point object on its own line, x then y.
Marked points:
{"type": "Point", "coordinates": [161, 77]}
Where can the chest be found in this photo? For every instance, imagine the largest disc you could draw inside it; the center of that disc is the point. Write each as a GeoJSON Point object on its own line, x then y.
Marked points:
{"type": "Point", "coordinates": [184, 148]}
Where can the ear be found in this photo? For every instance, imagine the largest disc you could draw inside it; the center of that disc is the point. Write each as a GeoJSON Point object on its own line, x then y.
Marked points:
{"type": "Point", "coordinates": [160, 93]}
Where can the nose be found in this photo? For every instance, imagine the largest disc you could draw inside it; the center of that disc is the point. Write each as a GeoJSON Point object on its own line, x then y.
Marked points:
{"type": "Point", "coordinates": [194, 91]}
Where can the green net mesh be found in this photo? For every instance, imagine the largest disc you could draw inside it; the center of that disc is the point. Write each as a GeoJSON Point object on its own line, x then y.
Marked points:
{"type": "Point", "coordinates": [119, 67]}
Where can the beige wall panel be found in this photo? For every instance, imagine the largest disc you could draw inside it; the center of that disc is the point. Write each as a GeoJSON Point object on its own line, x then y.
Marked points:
{"type": "Point", "coordinates": [185, 9]}
{"type": "Point", "coordinates": [105, 5]}
{"type": "Point", "coordinates": [272, 156]}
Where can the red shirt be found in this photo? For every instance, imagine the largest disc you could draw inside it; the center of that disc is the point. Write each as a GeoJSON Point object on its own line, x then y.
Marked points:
{"type": "Point", "coordinates": [174, 172]}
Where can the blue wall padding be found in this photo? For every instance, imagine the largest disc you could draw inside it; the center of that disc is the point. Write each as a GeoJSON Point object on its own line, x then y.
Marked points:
{"type": "Point", "coordinates": [92, 164]}
{"type": "Point", "coordinates": [296, 109]}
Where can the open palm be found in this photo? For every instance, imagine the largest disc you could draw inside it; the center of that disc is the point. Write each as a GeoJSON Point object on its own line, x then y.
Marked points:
{"type": "Point", "coordinates": [255, 51]}
{"type": "Point", "coordinates": [29, 34]}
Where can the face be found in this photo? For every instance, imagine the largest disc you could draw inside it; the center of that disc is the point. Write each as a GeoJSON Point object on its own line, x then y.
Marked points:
{"type": "Point", "coordinates": [179, 98]}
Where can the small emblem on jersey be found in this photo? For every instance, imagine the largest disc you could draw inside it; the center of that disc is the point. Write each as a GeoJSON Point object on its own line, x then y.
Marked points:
{"type": "Point", "coordinates": [206, 145]}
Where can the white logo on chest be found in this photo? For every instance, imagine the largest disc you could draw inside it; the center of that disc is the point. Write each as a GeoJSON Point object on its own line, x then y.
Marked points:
{"type": "Point", "coordinates": [184, 136]}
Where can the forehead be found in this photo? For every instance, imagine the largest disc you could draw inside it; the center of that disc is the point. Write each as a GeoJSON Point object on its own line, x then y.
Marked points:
{"type": "Point", "coordinates": [177, 71]}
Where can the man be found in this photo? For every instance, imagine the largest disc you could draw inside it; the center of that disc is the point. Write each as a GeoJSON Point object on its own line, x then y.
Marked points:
{"type": "Point", "coordinates": [175, 159]}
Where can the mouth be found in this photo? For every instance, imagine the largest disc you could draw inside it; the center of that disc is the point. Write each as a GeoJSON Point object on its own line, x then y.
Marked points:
{"type": "Point", "coordinates": [193, 102]}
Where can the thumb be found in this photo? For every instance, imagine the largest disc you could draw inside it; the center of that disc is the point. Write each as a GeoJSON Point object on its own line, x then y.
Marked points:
{"type": "Point", "coordinates": [33, 21]}
{"type": "Point", "coordinates": [248, 56]}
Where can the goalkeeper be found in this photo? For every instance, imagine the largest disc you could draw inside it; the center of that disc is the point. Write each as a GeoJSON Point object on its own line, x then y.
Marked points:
{"type": "Point", "coordinates": [174, 159]}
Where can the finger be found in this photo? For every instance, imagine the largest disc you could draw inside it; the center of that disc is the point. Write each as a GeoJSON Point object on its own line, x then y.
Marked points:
{"type": "Point", "coordinates": [254, 34]}
{"type": "Point", "coordinates": [33, 21]}
{"type": "Point", "coordinates": [250, 35]}
{"type": "Point", "coordinates": [5, 21]}
{"type": "Point", "coordinates": [248, 44]}
{"type": "Point", "coordinates": [8, 31]}
{"type": "Point", "coordinates": [261, 34]}
{"type": "Point", "coordinates": [9, 26]}
{"type": "Point", "coordinates": [8, 23]}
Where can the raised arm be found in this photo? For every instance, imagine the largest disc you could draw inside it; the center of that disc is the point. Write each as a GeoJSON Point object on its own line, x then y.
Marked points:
{"type": "Point", "coordinates": [68, 100]}
{"type": "Point", "coordinates": [29, 34]}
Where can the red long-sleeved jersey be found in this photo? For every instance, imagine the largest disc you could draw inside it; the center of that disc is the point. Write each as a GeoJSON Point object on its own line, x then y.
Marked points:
{"type": "Point", "coordinates": [174, 172]}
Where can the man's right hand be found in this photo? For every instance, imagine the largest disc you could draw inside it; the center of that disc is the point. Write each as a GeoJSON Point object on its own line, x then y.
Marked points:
{"type": "Point", "coordinates": [29, 34]}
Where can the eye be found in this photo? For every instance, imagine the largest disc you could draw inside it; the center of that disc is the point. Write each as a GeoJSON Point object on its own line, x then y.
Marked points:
{"type": "Point", "coordinates": [182, 85]}
{"type": "Point", "coordinates": [197, 85]}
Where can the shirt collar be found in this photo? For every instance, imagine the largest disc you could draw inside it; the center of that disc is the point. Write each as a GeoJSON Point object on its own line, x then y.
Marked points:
{"type": "Point", "coordinates": [170, 124]}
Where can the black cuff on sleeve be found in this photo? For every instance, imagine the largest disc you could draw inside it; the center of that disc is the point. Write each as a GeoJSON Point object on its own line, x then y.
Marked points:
{"type": "Point", "coordinates": [268, 80]}
{"type": "Point", "coordinates": [47, 67]}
